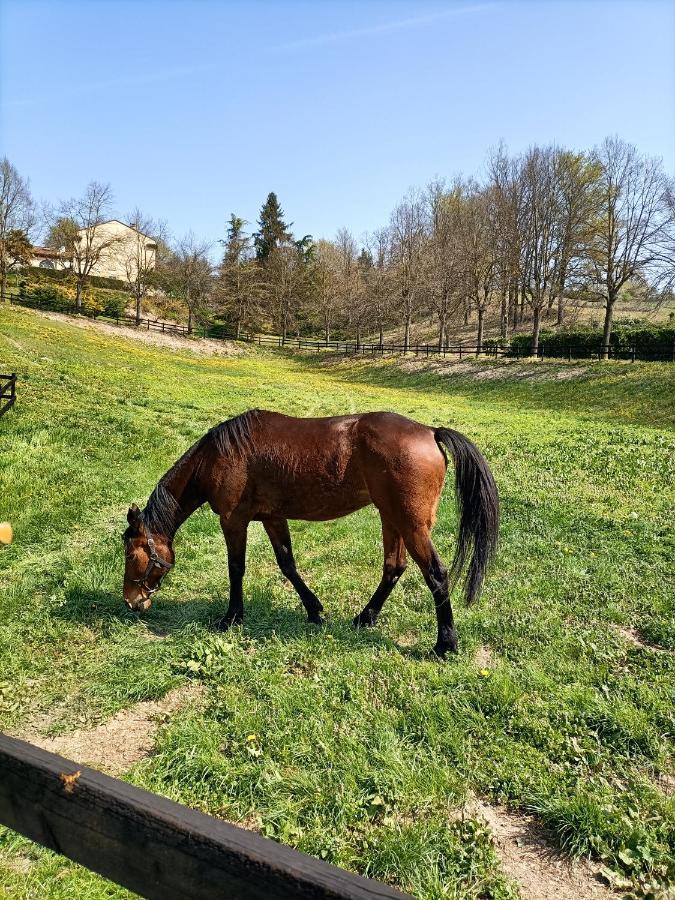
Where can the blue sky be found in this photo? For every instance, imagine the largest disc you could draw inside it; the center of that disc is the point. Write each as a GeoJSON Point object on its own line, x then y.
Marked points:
{"type": "Point", "coordinates": [192, 110]}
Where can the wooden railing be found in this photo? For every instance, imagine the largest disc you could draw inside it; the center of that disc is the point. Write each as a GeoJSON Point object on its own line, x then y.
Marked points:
{"type": "Point", "coordinates": [7, 392]}
{"type": "Point", "coordinates": [153, 846]}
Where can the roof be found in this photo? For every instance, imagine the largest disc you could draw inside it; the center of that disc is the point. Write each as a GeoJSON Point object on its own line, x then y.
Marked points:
{"type": "Point", "coordinates": [126, 225]}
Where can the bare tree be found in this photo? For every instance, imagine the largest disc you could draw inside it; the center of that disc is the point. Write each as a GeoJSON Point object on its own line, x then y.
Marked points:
{"type": "Point", "coordinates": [327, 285]}
{"type": "Point", "coordinates": [77, 232]}
{"type": "Point", "coordinates": [407, 227]}
{"type": "Point", "coordinates": [17, 214]}
{"type": "Point", "coordinates": [140, 255]}
{"type": "Point", "coordinates": [379, 292]}
{"type": "Point", "coordinates": [348, 280]}
{"type": "Point", "coordinates": [626, 245]}
{"type": "Point", "coordinates": [442, 272]}
{"type": "Point", "coordinates": [479, 252]}
{"type": "Point", "coordinates": [191, 273]}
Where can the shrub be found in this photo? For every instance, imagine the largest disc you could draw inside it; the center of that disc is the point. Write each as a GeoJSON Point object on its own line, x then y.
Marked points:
{"type": "Point", "coordinates": [649, 341]}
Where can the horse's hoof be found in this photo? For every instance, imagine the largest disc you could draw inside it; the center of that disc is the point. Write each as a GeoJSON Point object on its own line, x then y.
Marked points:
{"type": "Point", "coordinates": [227, 622]}
{"type": "Point", "coordinates": [364, 621]}
{"type": "Point", "coordinates": [316, 620]}
{"type": "Point", "coordinates": [440, 650]}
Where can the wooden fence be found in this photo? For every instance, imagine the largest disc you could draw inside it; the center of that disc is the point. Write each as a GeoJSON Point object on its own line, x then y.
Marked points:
{"type": "Point", "coordinates": [490, 348]}
{"type": "Point", "coordinates": [7, 392]}
{"type": "Point", "coordinates": [153, 846]}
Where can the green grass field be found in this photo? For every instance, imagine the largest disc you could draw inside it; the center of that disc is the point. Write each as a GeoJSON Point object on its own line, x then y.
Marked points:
{"type": "Point", "coordinates": [354, 747]}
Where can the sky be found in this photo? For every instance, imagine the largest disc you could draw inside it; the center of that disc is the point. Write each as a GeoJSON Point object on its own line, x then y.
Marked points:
{"type": "Point", "coordinates": [193, 110]}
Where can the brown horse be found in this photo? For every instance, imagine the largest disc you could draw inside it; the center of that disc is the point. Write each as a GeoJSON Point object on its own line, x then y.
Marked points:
{"type": "Point", "coordinates": [267, 467]}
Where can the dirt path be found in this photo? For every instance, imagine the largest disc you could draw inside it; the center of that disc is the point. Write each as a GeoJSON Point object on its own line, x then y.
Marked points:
{"type": "Point", "coordinates": [115, 745]}
{"type": "Point", "coordinates": [202, 346]}
{"type": "Point", "coordinates": [540, 871]}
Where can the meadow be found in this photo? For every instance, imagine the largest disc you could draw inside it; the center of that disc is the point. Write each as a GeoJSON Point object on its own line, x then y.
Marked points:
{"type": "Point", "coordinates": [354, 746]}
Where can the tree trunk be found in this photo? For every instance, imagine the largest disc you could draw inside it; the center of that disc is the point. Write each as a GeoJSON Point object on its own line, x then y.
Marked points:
{"type": "Point", "coordinates": [381, 335]}
{"type": "Point", "coordinates": [504, 317]}
{"type": "Point", "coordinates": [189, 320]}
{"type": "Point", "coordinates": [536, 329]}
{"type": "Point", "coordinates": [78, 296]}
{"type": "Point", "coordinates": [607, 330]}
{"type": "Point", "coordinates": [138, 309]}
{"type": "Point", "coordinates": [3, 285]}
{"type": "Point", "coordinates": [441, 331]}
{"type": "Point", "coordinates": [358, 336]}
{"type": "Point", "coordinates": [479, 337]}
{"type": "Point", "coordinates": [406, 336]}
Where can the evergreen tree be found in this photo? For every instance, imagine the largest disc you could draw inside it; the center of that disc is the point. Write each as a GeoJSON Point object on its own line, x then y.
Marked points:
{"type": "Point", "coordinates": [273, 230]}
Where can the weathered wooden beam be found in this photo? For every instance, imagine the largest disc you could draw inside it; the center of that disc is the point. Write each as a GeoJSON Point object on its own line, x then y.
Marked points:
{"type": "Point", "coordinates": [154, 846]}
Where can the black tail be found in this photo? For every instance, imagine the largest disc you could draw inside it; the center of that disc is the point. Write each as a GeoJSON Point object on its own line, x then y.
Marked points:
{"type": "Point", "coordinates": [478, 505]}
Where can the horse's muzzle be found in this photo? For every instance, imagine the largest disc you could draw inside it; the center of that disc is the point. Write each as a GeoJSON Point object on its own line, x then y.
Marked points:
{"type": "Point", "coordinates": [138, 604]}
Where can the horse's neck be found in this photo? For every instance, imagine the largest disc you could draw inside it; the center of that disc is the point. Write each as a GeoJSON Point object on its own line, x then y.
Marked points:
{"type": "Point", "coordinates": [184, 484]}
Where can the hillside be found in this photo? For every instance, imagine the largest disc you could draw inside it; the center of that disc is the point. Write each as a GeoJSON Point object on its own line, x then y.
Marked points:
{"type": "Point", "coordinates": [547, 735]}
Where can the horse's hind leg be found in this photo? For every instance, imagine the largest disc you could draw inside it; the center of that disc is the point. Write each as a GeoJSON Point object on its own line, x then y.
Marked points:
{"type": "Point", "coordinates": [394, 567]}
{"type": "Point", "coordinates": [280, 537]}
{"type": "Point", "coordinates": [418, 541]}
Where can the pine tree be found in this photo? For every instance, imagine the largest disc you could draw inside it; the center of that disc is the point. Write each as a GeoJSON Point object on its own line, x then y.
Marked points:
{"type": "Point", "coordinates": [273, 230]}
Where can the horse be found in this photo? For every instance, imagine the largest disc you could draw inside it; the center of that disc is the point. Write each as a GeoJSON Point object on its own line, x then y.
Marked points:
{"type": "Point", "coordinates": [267, 467]}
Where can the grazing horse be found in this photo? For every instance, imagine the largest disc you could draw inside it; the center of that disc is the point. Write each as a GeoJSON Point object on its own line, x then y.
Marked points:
{"type": "Point", "coordinates": [267, 467]}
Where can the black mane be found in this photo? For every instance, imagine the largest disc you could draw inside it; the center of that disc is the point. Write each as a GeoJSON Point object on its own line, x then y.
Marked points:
{"type": "Point", "coordinates": [161, 514]}
{"type": "Point", "coordinates": [235, 435]}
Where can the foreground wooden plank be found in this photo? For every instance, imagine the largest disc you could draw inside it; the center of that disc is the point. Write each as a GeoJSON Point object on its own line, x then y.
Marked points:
{"type": "Point", "coordinates": [154, 846]}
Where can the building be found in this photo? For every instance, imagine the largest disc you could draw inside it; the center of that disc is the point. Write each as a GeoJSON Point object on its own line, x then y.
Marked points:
{"type": "Point", "coordinates": [122, 250]}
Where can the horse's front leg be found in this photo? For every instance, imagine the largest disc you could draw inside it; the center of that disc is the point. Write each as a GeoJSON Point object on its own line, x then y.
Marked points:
{"type": "Point", "coordinates": [235, 539]}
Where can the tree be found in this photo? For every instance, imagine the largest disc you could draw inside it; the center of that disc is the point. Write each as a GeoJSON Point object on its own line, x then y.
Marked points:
{"type": "Point", "coordinates": [478, 251]}
{"type": "Point", "coordinates": [273, 230]}
{"type": "Point", "coordinates": [17, 250]}
{"type": "Point", "coordinates": [77, 231]}
{"type": "Point", "coordinates": [239, 289]}
{"type": "Point", "coordinates": [17, 214]}
{"type": "Point", "coordinates": [190, 273]}
{"type": "Point", "coordinates": [407, 243]}
{"type": "Point", "coordinates": [632, 215]}
{"type": "Point", "coordinates": [443, 272]}
{"type": "Point", "coordinates": [140, 255]}
{"type": "Point", "coordinates": [326, 278]}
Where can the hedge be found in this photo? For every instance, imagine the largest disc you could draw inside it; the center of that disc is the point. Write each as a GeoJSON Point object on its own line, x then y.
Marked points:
{"type": "Point", "coordinates": [648, 341]}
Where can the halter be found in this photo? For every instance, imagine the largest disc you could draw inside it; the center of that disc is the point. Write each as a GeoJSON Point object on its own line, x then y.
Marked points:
{"type": "Point", "coordinates": [155, 562]}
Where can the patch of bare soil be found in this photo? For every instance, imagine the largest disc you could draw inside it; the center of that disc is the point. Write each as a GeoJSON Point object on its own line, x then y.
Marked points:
{"type": "Point", "coordinates": [115, 745]}
{"type": "Point", "coordinates": [203, 346]}
{"type": "Point", "coordinates": [540, 871]}
{"type": "Point", "coordinates": [485, 658]}
{"type": "Point", "coordinates": [633, 636]}
{"type": "Point", "coordinates": [485, 370]}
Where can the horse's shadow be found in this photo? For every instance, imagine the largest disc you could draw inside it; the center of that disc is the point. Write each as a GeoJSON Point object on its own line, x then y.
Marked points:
{"type": "Point", "coordinates": [265, 620]}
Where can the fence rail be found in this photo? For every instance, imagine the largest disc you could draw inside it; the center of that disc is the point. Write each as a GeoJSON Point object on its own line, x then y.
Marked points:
{"type": "Point", "coordinates": [153, 846]}
{"type": "Point", "coordinates": [7, 392]}
{"type": "Point", "coordinates": [663, 353]}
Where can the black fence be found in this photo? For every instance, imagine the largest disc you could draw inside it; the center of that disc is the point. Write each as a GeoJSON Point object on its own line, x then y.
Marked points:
{"type": "Point", "coordinates": [489, 349]}
{"type": "Point", "coordinates": [7, 392]}
{"type": "Point", "coordinates": [153, 846]}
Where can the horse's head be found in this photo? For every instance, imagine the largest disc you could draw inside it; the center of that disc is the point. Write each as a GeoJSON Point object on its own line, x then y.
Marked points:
{"type": "Point", "coordinates": [148, 559]}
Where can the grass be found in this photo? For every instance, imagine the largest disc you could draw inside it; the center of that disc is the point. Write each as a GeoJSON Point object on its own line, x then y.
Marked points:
{"type": "Point", "coordinates": [353, 747]}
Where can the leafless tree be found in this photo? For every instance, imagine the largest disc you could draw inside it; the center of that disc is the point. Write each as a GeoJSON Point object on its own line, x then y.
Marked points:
{"type": "Point", "coordinates": [77, 232]}
{"type": "Point", "coordinates": [140, 255]}
{"type": "Point", "coordinates": [17, 214]}
{"type": "Point", "coordinates": [191, 272]}
{"type": "Point", "coordinates": [634, 192]}
{"type": "Point", "coordinates": [408, 233]}
{"type": "Point", "coordinates": [328, 294]}
{"type": "Point", "coordinates": [479, 260]}
{"type": "Point", "coordinates": [443, 262]}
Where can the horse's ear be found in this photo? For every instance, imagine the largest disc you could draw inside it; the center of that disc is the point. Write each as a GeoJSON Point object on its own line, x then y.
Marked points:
{"type": "Point", "coordinates": [134, 515]}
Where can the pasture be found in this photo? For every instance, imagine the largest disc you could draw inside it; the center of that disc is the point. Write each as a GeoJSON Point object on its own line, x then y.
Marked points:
{"type": "Point", "coordinates": [352, 746]}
